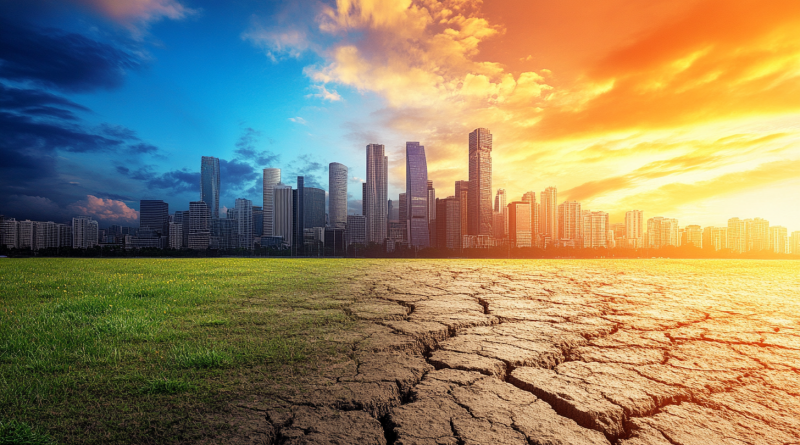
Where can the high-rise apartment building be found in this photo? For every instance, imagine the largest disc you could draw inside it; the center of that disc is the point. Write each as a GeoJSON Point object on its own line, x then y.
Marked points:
{"type": "Point", "coordinates": [272, 177]}
{"type": "Point", "coordinates": [175, 235]}
{"type": "Point", "coordinates": [209, 184]}
{"type": "Point", "coordinates": [778, 240]}
{"type": "Point", "coordinates": [154, 214]}
{"type": "Point", "coordinates": [283, 212]}
{"type": "Point", "coordinates": [693, 234]}
{"type": "Point", "coordinates": [417, 195]}
{"type": "Point", "coordinates": [570, 221]}
{"type": "Point", "coordinates": [715, 237]}
{"type": "Point", "coordinates": [403, 215]}
{"type": "Point", "coordinates": [244, 223]}
{"type": "Point", "coordinates": [298, 214]}
{"type": "Point", "coordinates": [337, 194]}
{"type": "Point", "coordinates": [199, 225]}
{"type": "Point", "coordinates": [759, 235]}
{"type": "Point", "coordinates": [11, 233]}
{"type": "Point", "coordinates": [595, 229]}
{"type": "Point", "coordinates": [739, 235]}
{"type": "Point", "coordinates": [431, 214]}
{"type": "Point", "coordinates": [356, 231]}
{"type": "Point", "coordinates": [501, 207]}
{"type": "Point", "coordinates": [530, 198]}
{"type": "Point", "coordinates": [84, 232]}
{"type": "Point", "coordinates": [548, 216]}
{"type": "Point", "coordinates": [519, 224]}
{"type": "Point", "coordinates": [480, 182]}
{"type": "Point", "coordinates": [634, 229]}
{"type": "Point", "coordinates": [794, 243]}
{"type": "Point", "coordinates": [662, 232]}
{"type": "Point", "coordinates": [376, 193]}
{"type": "Point", "coordinates": [258, 222]}
{"type": "Point", "coordinates": [448, 223]}
{"type": "Point", "coordinates": [27, 235]}
{"type": "Point", "coordinates": [47, 235]}
{"type": "Point", "coordinates": [462, 195]}
{"type": "Point", "coordinates": [314, 211]}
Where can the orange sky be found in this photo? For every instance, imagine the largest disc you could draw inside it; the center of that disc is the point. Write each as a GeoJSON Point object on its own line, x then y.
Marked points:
{"type": "Point", "coordinates": [682, 108]}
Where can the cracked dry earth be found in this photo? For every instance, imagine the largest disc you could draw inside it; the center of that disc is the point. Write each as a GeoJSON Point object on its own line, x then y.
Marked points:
{"type": "Point", "coordinates": [572, 352]}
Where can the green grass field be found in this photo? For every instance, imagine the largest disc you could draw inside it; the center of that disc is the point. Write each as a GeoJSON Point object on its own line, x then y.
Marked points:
{"type": "Point", "coordinates": [151, 351]}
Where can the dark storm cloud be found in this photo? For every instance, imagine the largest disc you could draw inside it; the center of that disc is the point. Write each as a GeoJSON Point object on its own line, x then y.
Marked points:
{"type": "Point", "coordinates": [64, 61]}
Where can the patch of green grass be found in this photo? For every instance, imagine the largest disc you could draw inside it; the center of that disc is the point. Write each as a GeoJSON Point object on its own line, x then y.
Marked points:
{"type": "Point", "coordinates": [165, 385]}
{"type": "Point", "coordinates": [18, 433]}
{"type": "Point", "coordinates": [100, 351]}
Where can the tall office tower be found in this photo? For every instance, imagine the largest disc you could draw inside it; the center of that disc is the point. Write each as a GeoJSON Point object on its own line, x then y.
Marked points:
{"type": "Point", "coordinates": [282, 223]}
{"type": "Point", "coordinates": [595, 229]}
{"type": "Point", "coordinates": [501, 207]}
{"type": "Point", "coordinates": [662, 232]}
{"type": "Point", "coordinates": [186, 221]}
{"type": "Point", "coordinates": [175, 235]}
{"type": "Point", "coordinates": [298, 214]}
{"type": "Point", "coordinates": [530, 198]}
{"type": "Point", "coordinates": [794, 243]}
{"type": "Point", "coordinates": [480, 182]}
{"type": "Point", "coordinates": [391, 211]}
{"type": "Point", "coordinates": [244, 223]}
{"type": "Point", "coordinates": [570, 222]}
{"type": "Point", "coordinates": [431, 214]}
{"type": "Point", "coordinates": [314, 212]}
{"type": "Point", "coordinates": [417, 195]}
{"type": "Point", "coordinates": [376, 193]}
{"type": "Point", "coordinates": [154, 213]}
{"type": "Point", "coordinates": [272, 177]}
{"type": "Point", "coordinates": [759, 235]}
{"type": "Point", "coordinates": [337, 194]}
{"type": "Point", "coordinates": [403, 215]}
{"type": "Point", "coordinates": [634, 228]}
{"type": "Point", "coordinates": [11, 233]}
{"type": "Point", "coordinates": [548, 216]}
{"type": "Point", "coordinates": [498, 225]}
{"type": "Point", "coordinates": [693, 234]}
{"type": "Point", "coordinates": [199, 226]}
{"type": "Point", "coordinates": [27, 235]}
{"type": "Point", "coordinates": [462, 195]}
{"type": "Point", "coordinates": [84, 232]}
{"type": "Point", "coordinates": [364, 198]}
{"type": "Point", "coordinates": [738, 240]}
{"type": "Point", "coordinates": [356, 231]}
{"type": "Point", "coordinates": [778, 240]}
{"type": "Point", "coordinates": [448, 223]}
{"type": "Point", "coordinates": [258, 222]}
{"type": "Point", "coordinates": [715, 237]}
{"type": "Point", "coordinates": [209, 184]}
{"type": "Point", "coordinates": [519, 224]}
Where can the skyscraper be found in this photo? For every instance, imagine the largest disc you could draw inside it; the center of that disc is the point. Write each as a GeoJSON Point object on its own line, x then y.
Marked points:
{"type": "Point", "coordinates": [272, 177]}
{"type": "Point", "coordinates": [595, 229]}
{"type": "Point", "coordinates": [738, 235]}
{"type": "Point", "coordinates": [154, 213]}
{"type": "Point", "coordinates": [794, 243]}
{"type": "Point", "coordinates": [431, 214]}
{"type": "Point", "coordinates": [530, 198]}
{"type": "Point", "coordinates": [209, 184]}
{"type": "Point", "coordinates": [244, 223]}
{"type": "Point", "coordinates": [759, 235]}
{"type": "Point", "coordinates": [298, 214]}
{"type": "Point", "coordinates": [282, 222]}
{"type": "Point", "coordinates": [570, 221]}
{"type": "Point", "coordinates": [448, 223]}
{"type": "Point", "coordinates": [715, 237]}
{"type": "Point", "coordinates": [480, 182]}
{"type": "Point", "coordinates": [84, 232]}
{"type": "Point", "coordinates": [548, 216]}
{"type": "Point", "coordinates": [314, 212]}
{"type": "Point", "coordinates": [199, 225]}
{"type": "Point", "coordinates": [519, 224]}
{"type": "Point", "coordinates": [417, 195]}
{"type": "Point", "coordinates": [356, 232]}
{"type": "Point", "coordinates": [376, 193]}
{"type": "Point", "coordinates": [662, 232]}
{"type": "Point", "coordinates": [501, 207]}
{"type": "Point", "coordinates": [462, 195]}
{"type": "Point", "coordinates": [634, 228]}
{"type": "Point", "coordinates": [693, 234]}
{"type": "Point", "coordinates": [778, 239]}
{"type": "Point", "coordinates": [337, 194]}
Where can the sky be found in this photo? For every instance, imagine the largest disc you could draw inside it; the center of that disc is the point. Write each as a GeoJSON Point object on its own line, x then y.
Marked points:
{"type": "Point", "coordinates": [687, 109]}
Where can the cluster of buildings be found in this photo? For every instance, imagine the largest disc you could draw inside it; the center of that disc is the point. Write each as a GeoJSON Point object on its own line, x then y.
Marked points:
{"type": "Point", "coordinates": [473, 217]}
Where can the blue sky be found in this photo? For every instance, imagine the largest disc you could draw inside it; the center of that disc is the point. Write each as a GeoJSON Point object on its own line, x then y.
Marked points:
{"type": "Point", "coordinates": [185, 88]}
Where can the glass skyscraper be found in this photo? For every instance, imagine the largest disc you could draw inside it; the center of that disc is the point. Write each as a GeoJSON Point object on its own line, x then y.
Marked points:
{"type": "Point", "coordinates": [417, 195]}
{"type": "Point", "coordinates": [375, 196]}
{"type": "Point", "coordinates": [480, 182]}
{"type": "Point", "coordinates": [337, 194]}
{"type": "Point", "coordinates": [272, 177]}
{"type": "Point", "coordinates": [154, 214]}
{"type": "Point", "coordinates": [209, 184]}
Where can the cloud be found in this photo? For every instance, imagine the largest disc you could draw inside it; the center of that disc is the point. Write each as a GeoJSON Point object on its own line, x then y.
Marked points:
{"type": "Point", "coordinates": [107, 210]}
{"type": "Point", "coordinates": [323, 93]}
{"type": "Point", "coordinates": [64, 61]}
{"type": "Point", "coordinates": [138, 11]}
{"type": "Point", "coordinates": [246, 149]}
{"type": "Point", "coordinates": [298, 120]}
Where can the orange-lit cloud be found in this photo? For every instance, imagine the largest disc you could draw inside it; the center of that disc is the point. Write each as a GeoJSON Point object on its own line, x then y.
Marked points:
{"type": "Point", "coordinates": [104, 209]}
{"type": "Point", "coordinates": [617, 103]}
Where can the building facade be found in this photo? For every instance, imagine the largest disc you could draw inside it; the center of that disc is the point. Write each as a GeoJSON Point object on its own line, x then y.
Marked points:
{"type": "Point", "coordinates": [693, 234]}
{"type": "Point", "coordinates": [519, 224]}
{"type": "Point", "coordinates": [448, 223]}
{"type": "Point", "coordinates": [199, 226]}
{"type": "Point", "coordinates": [337, 194]}
{"type": "Point", "coordinates": [462, 195]}
{"type": "Point", "coordinates": [595, 229]}
{"type": "Point", "coordinates": [662, 232]}
{"type": "Point", "coordinates": [154, 213]}
{"type": "Point", "coordinates": [548, 216]}
{"type": "Point", "coordinates": [314, 211]}
{"type": "Point", "coordinates": [244, 223]}
{"type": "Point", "coordinates": [417, 195]}
{"type": "Point", "coordinates": [778, 240]}
{"type": "Point", "coordinates": [634, 229]}
{"type": "Point", "coordinates": [375, 195]}
{"type": "Point", "coordinates": [272, 177]}
{"type": "Point", "coordinates": [570, 221]}
{"type": "Point", "coordinates": [283, 210]}
{"type": "Point", "coordinates": [356, 231]}
{"type": "Point", "coordinates": [209, 184]}
{"type": "Point", "coordinates": [480, 182]}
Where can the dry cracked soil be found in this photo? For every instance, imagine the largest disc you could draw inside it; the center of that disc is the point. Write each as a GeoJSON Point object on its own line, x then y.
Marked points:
{"type": "Point", "coordinates": [484, 353]}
